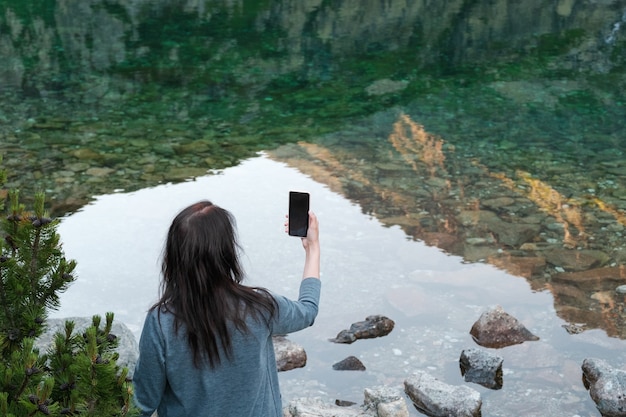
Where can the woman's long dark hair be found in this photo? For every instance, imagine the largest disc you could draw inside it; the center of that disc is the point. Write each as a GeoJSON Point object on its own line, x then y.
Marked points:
{"type": "Point", "coordinates": [201, 282]}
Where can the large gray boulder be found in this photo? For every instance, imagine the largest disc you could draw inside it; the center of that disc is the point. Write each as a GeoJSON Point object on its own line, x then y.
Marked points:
{"type": "Point", "coordinates": [127, 348]}
{"type": "Point", "coordinates": [438, 399]}
{"type": "Point", "coordinates": [607, 387]}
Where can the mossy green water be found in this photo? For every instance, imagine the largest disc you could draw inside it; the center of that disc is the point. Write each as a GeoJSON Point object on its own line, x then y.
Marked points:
{"type": "Point", "coordinates": [222, 78]}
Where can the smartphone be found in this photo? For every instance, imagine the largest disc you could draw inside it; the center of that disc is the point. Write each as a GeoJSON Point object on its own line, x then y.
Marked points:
{"type": "Point", "coordinates": [298, 213]}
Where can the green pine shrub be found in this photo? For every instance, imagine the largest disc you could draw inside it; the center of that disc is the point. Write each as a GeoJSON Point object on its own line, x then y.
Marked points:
{"type": "Point", "coordinates": [78, 375]}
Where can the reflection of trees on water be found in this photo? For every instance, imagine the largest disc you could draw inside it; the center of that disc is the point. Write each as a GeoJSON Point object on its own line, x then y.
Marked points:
{"type": "Point", "coordinates": [214, 43]}
{"type": "Point", "coordinates": [411, 140]}
{"type": "Point", "coordinates": [423, 151]}
{"type": "Point", "coordinates": [553, 203]}
{"type": "Point", "coordinates": [435, 194]}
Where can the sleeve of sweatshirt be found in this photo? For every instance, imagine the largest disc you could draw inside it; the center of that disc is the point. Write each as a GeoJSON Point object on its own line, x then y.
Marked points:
{"type": "Point", "coordinates": [149, 378]}
{"type": "Point", "coordinates": [297, 315]}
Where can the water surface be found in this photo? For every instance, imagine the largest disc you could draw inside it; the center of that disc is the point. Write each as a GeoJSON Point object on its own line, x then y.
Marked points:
{"type": "Point", "coordinates": [367, 268]}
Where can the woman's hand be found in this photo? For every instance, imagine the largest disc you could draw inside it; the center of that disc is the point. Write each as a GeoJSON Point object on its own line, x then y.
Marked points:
{"type": "Point", "coordinates": [312, 236]}
{"type": "Point", "coordinates": [311, 245]}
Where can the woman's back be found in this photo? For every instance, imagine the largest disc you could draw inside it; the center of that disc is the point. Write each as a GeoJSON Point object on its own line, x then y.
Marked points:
{"type": "Point", "coordinates": [246, 385]}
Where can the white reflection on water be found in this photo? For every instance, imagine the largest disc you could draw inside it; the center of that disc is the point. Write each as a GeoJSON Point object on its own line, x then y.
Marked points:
{"type": "Point", "coordinates": [367, 269]}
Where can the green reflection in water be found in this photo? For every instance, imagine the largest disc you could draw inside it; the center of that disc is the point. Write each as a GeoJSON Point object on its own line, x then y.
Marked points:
{"type": "Point", "coordinates": [198, 88]}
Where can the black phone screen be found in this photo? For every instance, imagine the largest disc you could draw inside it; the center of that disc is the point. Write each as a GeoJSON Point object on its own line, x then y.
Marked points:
{"type": "Point", "coordinates": [298, 213]}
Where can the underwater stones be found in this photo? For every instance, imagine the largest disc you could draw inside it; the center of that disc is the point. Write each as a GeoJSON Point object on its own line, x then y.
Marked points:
{"type": "Point", "coordinates": [575, 260]}
{"type": "Point", "coordinates": [183, 173]}
{"type": "Point", "coordinates": [373, 326]}
{"type": "Point", "coordinates": [445, 241]}
{"type": "Point", "coordinates": [469, 218]}
{"type": "Point", "coordinates": [537, 246]}
{"type": "Point", "coordinates": [84, 154]}
{"type": "Point", "coordinates": [524, 92]}
{"type": "Point", "coordinates": [478, 253]}
{"type": "Point", "coordinates": [615, 227]}
{"type": "Point", "coordinates": [498, 202]}
{"type": "Point", "coordinates": [438, 399]}
{"type": "Point", "coordinates": [481, 367]}
{"type": "Point", "coordinates": [68, 205]}
{"type": "Point", "coordinates": [163, 149]}
{"type": "Point", "coordinates": [196, 147]}
{"type": "Point", "coordinates": [99, 171]}
{"type": "Point", "coordinates": [514, 234]}
{"type": "Point", "coordinates": [523, 266]}
{"type": "Point", "coordinates": [51, 124]}
{"type": "Point", "coordinates": [607, 387]}
{"type": "Point", "coordinates": [619, 170]}
{"type": "Point", "coordinates": [78, 166]}
{"type": "Point", "coordinates": [385, 86]}
{"type": "Point", "coordinates": [497, 329]}
{"type": "Point", "coordinates": [351, 363]}
{"type": "Point", "coordinates": [510, 234]}
{"type": "Point", "coordinates": [593, 279]}
{"type": "Point", "coordinates": [620, 255]}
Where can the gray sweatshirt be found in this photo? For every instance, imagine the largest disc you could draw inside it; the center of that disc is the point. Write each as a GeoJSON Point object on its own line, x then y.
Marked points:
{"type": "Point", "coordinates": [166, 379]}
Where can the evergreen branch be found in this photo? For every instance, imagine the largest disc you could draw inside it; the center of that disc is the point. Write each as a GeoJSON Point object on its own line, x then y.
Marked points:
{"type": "Point", "coordinates": [38, 222]}
{"type": "Point", "coordinates": [3, 293]}
{"type": "Point", "coordinates": [15, 217]}
{"type": "Point", "coordinates": [22, 388]}
{"type": "Point", "coordinates": [33, 266]}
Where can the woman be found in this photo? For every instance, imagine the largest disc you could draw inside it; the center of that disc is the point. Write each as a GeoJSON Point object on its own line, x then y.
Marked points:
{"type": "Point", "coordinates": [206, 346]}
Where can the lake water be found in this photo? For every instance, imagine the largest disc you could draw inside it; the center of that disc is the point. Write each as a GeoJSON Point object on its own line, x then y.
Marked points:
{"type": "Point", "coordinates": [459, 155]}
{"type": "Point", "coordinates": [367, 268]}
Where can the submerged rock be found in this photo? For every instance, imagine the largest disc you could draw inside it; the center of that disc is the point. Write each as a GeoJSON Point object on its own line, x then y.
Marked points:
{"type": "Point", "coordinates": [373, 326]}
{"type": "Point", "coordinates": [496, 329]}
{"type": "Point", "coordinates": [481, 367]}
{"type": "Point", "coordinates": [607, 387]}
{"type": "Point", "coordinates": [510, 234]}
{"type": "Point", "coordinates": [385, 86]}
{"type": "Point", "coordinates": [576, 260]}
{"type": "Point", "coordinates": [438, 399]}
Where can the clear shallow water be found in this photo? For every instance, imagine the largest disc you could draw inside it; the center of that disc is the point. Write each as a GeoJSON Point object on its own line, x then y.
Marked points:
{"type": "Point", "coordinates": [367, 268]}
